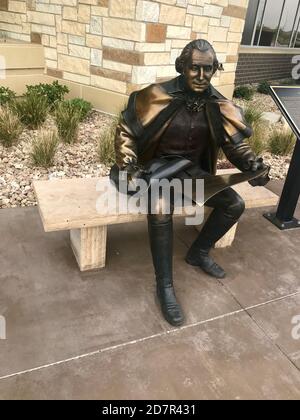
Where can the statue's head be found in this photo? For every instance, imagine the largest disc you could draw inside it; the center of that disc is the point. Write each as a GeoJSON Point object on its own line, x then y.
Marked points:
{"type": "Point", "coordinates": [198, 63]}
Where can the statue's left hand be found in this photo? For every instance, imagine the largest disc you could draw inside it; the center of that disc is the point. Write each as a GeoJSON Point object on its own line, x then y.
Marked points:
{"type": "Point", "coordinates": [256, 165]}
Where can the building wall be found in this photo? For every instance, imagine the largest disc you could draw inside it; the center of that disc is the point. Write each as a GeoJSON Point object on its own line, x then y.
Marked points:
{"type": "Point", "coordinates": [123, 45]}
{"type": "Point", "coordinates": [264, 64]}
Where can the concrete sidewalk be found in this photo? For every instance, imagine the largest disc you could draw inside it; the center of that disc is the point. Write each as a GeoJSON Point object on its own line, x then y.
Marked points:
{"type": "Point", "coordinates": [101, 336]}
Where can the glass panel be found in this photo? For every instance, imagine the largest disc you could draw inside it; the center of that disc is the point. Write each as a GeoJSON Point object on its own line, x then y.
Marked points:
{"type": "Point", "coordinates": [271, 23]}
{"type": "Point", "coordinates": [296, 27]}
{"type": "Point", "coordinates": [260, 13]}
{"type": "Point", "coordinates": [250, 22]}
{"type": "Point", "coordinates": [297, 44]}
{"type": "Point", "coordinates": [287, 23]}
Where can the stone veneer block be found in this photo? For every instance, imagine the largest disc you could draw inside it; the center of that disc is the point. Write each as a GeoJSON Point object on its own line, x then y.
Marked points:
{"type": "Point", "coordinates": [73, 28]}
{"type": "Point", "coordinates": [41, 18]}
{"type": "Point", "coordinates": [236, 25]}
{"type": "Point", "coordinates": [152, 47]}
{"type": "Point", "coordinates": [234, 37]}
{"type": "Point", "coordinates": [77, 40]}
{"type": "Point", "coordinates": [124, 29]}
{"type": "Point", "coordinates": [172, 15]}
{"type": "Point", "coordinates": [79, 51]}
{"type": "Point", "coordinates": [223, 3]}
{"type": "Point", "coordinates": [108, 84]}
{"type": "Point", "coordinates": [16, 6]}
{"type": "Point", "coordinates": [96, 25]}
{"type": "Point", "coordinates": [156, 58]}
{"type": "Point", "coordinates": [200, 24]}
{"type": "Point", "coordinates": [35, 38]}
{"type": "Point", "coordinates": [103, 3]}
{"type": "Point", "coordinates": [84, 13]}
{"type": "Point", "coordinates": [232, 58]}
{"type": "Point", "coordinates": [123, 56]}
{"type": "Point", "coordinates": [227, 78]}
{"type": "Point", "coordinates": [70, 13]}
{"type": "Point", "coordinates": [156, 32]}
{"type": "Point", "coordinates": [4, 5]}
{"type": "Point", "coordinates": [112, 65]}
{"type": "Point", "coordinates": [118, 43]}
{"type": "Point", "coordinates": [123, 9]}
{"type": "Point", "coordinates": [235, 11]}
{"type": "Point", "coordinates": [110, 74]}
{"type": "Point", "coordinates": [195, 10]}
{"type": "Point", "coordinates": [58, 74]}
{"type": "Point", "coordinates": [90, 2]}
{"type": "Point", "coordinates": [178, 32]}
{"type": "Point", "coordinates": [77, 78]}
{"type": "Point", "coordinates": [212, 11]}
{"type": "Point", "coordinates": [96, 57]}
{"type": "Point", "coordinates": [147, 11]}
{"type": "Point", "coordinates": [217, 34]}
{"type": "Point", "coordinates": [74, 64]}
{"type": "Point", "coordinates": [99, 11]}
{"type": "Point", "coordinates": [143, 74]}
{"type": "Point", "coordinates": [93, 41]}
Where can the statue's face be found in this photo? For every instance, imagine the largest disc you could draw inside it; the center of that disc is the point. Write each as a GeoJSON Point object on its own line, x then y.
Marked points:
{"type": "Point", "coordinates": [199, 70]}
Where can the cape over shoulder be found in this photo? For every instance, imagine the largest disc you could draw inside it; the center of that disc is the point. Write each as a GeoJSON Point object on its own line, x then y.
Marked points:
{"type": "Point", "coordinates": [145, 105]}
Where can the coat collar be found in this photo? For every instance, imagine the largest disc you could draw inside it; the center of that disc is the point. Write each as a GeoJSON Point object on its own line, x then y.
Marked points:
{"type": "Point", "coordinates": [175, 87]}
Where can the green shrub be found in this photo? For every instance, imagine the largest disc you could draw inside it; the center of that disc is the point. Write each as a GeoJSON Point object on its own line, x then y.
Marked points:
{"type": "Point", "coordinates": [244, 92]}
{"type": "Point", "coordinates": [54, 93]}
{"type": "Point", "coordinates": [67, 119]}
{"type": "Point", "coordinates": [106, 144]}
{"type": "Point", "coordinates": [257, 140]}
{"type": "Point", "coordinates": [253, 118]}
{"type": "Point", "coordinates": [83, 107]}
{"type": "Point", "coordinates": [6, 95]}
{"type": "Point", "coordinates": [44, 147]}
{"type": "Point", "coordinates": [263, 88]}
{"type": "Point", "coordinates": [281, 142]}
{"type": "Point", "coordinates": [252, 115]}
{"type": "Point", "coordinates": [10, 127]}
{"type": "Point", "coordinates": [32, 110]}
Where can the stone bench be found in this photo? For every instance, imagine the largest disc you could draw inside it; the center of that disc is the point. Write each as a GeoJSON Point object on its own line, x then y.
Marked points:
{"type": "Point", "coordinates": [70, 204]}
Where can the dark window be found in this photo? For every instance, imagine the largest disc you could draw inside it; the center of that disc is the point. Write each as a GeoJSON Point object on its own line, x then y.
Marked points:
{"type": "Point", "coordinates": [297, 43]}
{"type": "Point", "coordinates": [250, 22]}
{"type": "Point", "coordinates": [287, 23]}
{"type": "Point", "coordinates": [295, 32]}
{"type": "Point", "coordinates": [259, 17]}
{"type": "Point", "coordinates": [270, 23]}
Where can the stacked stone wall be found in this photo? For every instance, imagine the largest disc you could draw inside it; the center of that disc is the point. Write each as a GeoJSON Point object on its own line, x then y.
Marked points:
{"type": "Point", "coordinates": [123, 45]}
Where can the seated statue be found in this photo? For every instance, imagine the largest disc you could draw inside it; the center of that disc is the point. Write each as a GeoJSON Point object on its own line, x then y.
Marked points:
{"type": "Point", "coordinates": [186, 117]}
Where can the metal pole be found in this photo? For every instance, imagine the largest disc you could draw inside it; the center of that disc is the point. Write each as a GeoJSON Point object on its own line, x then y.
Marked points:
{"type": "Point", "coordinates": [284, 217]}
{"type": "Point", "coordinates": [291, 190]}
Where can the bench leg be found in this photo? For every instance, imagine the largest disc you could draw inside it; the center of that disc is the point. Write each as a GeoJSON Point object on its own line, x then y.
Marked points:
{"type": "Point", "coordinates": [227, 239]}
{"type": "Point", "coordinates": [89, 247]}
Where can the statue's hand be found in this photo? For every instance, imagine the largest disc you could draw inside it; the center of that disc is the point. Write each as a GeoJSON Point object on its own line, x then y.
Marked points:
{"type": "Point", "coordinates": [134, 171]}
{"type": "Point", "coordinates": [256, 165]}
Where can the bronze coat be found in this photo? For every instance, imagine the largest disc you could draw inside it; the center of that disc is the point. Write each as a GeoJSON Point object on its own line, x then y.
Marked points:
{"type": "Point", "coordinates": [149, 112]}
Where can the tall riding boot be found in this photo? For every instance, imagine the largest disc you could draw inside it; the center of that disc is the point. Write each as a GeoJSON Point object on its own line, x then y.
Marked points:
{"type": "Point", "coordinates": [161, 242]}
{"type": "Point", "coordinates": [218, 223]}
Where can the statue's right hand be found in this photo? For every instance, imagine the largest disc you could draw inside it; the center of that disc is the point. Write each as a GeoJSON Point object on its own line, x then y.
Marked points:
{"type": "Point", "coordinates": [134, 171]}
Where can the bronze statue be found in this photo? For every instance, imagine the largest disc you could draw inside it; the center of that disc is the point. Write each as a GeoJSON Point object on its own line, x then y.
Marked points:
{"type": "Point", "coordinates": [186, 117]}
